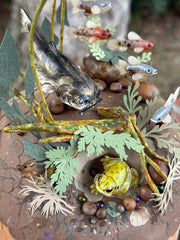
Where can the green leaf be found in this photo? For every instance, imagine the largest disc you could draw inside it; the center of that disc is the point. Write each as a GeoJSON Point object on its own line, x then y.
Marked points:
{"type": "Point", "coordinates": [130, 101]}
{"type": "Point", "coordinates": [94, 141]}
{"type": "Point", "coordinates": [35, 151]}
{"type": "Point", "coordinates": [95, 19]}
{"type": "Point", "coordinates": [96, 50]}
{"type": "Point", "coordinates": [9, 63]}
{"type": "Point", "coordinates": [65, 165]}
{"type": "Point", "coordinates": [146, 57]}
{"type": "Point", "coordinates": [112, 28]}
{"type": "Point", "coordinates": [29, 87]}
{"type": "Point", "coordinates": [146, 113]}
{"type": "Point", "coordinates": [58, 15]}
{"type": "Point", "coordinates": [46, 30]}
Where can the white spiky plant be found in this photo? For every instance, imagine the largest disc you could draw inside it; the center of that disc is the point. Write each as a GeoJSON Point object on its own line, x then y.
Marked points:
{"type": "Point", "coordinates": [165, 198]}
{"type": "Point", "coordinates": [46, 197]}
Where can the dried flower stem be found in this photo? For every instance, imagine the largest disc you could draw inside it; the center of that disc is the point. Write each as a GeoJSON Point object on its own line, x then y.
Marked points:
{"type": "Point", "coordinates": [31, 34]}
{"type": "Point", "coordinates": [146, 145]}
{"type": "Point", "coordinates": [37, 113]}
{"type": "Point", "coordinates": [156, 168]}
{"type": "Point", "coordinates": [63, 5]}
{"type": "Point", "coordinates": [165, 198]}
{"type": "Point", "coordinates": [60, 138]}
{"type": "Point", "coordinates": [52, 20]}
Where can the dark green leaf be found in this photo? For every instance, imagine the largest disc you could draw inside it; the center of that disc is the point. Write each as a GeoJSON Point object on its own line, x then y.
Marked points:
{"type": "Point", "coordinates": [58, 15]}
{"type": "Point", "coordinates": [46, 30]}
{"type": "Point", "coordinates": [35, 151]}
{"type": "Point", "coordinates": [29, 87]}
{"type": "Point", "coordinates": [9, 62]}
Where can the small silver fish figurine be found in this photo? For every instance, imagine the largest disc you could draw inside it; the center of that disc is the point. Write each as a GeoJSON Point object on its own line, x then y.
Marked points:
{"type": "Point", "coordinates": [162, 114]}
{"type": "Point", "coordinates": [141, 70]}
{"type": "Point", "coordinates": [57, 73]}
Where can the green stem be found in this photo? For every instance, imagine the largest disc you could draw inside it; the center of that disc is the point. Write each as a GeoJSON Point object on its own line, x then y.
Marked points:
{"type": "Point", "coordinates": [69, 127]}
{"type": "Point", "coordinates": [60, 138]}
{"type": "Point", "coordinates": [22, 75]}
{"type": "Point", "coordinates": [63, 5]}
{"type": "Point", "coordinates": [52, 20]}
{"type": "Point", "coordinates": [155, 155]}
{"type": "Point", "coordinates": [31, 34]}
{"type": "Point", "coordinates": [37, 113]}
{"type": "Point", "coordinates": [156, 168]}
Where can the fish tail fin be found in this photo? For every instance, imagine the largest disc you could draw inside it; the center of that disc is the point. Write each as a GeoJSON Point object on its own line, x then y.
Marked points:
{"type": "Point", "coordinates": [176, 93]}
{"type": "Point", "coordinates": [172, 97]}
{"type": "Point", "coordinates": [122, 66]}
{"type": "Point", "coordinates": [26, 21]}
{"type": "Point", "coordinates": [113, 44]}
{"type": "Point", "coordinates": [75, 4]}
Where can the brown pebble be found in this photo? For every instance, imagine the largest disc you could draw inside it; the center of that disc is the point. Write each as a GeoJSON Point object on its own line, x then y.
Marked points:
{"type": "Point", "coordinates": [115, 87]}
{"type": "Point", "coordinates": [56, 106]}
{"type": "Point", "coordinates": [147, 91]}
{"type": "Point", "coordinates": [138, 206]}
{"type": "Point", "coordinates": [120, 208]}
{"type": "Point", "coordinates": [145, 192]}
{"type": "Point", "coordinates": [154, 175]}
{"type": "Point", "coordinates": [89, 208]}
{"type": "Point", "coordinates": [93, 220]}
{"type": "Point", "coordinates": [101, 213]}
{"type": "Point", "coordinates": [101, 85]}
{"type": "Point", "coordinates": [125, 82]}
{"type": "Point", "coordinates": [129, 203]}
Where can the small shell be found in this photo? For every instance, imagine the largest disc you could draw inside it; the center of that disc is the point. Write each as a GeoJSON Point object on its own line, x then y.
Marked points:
{"type": "Point", "coordinates": [139, 217]}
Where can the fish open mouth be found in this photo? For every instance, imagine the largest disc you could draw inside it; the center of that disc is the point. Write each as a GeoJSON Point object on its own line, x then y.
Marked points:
{"type": "Point", "coordinates": [88, 106]}
{"type": "Point", "coordinates": [155, 72]}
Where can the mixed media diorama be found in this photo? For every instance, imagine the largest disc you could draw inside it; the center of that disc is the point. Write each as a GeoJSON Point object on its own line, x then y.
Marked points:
{"type": "Point", "coordinates": [55, 160]}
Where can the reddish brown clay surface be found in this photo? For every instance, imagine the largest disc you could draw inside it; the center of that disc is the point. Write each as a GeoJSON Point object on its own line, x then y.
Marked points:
{"type": "Point", "coordinates": [14, 211]}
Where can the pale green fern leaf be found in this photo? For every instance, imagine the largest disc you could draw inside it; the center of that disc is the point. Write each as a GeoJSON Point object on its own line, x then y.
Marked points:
{"type": "Point", "coordinates": [65, 165]}
{"type": "Point", "coordinates": [94, 141]}
{"type": "Point", "coordinates": [146, 57]}
{"type": "Point", "coordinates": [130, 100]}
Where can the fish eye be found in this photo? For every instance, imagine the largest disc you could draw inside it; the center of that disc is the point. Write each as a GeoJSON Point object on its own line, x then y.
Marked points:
{"type": "Point", "coordinates": [104, 33]}
{"type": "Point", "coordinates": [80, 101]}
{"type": "Point", "coordinates": [109, 190]}
{"type": "Point", "coordinates": [103, 4]}
{"type": "Point", "coordinates": [150, 44]}
{"type": "Point", "coordinates": [148, 70]}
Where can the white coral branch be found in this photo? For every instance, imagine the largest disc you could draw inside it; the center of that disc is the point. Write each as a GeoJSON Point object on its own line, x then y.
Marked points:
{"type": "Point", "coordinates": [165, 198]}
{"type": "Point", "coordinates": [47, 197]}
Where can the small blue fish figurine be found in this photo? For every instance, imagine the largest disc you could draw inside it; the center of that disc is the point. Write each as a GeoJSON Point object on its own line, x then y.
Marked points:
{"type": "Point", "coordinates": [162, 114]}
{"type": "Point", "coordinates": [140, 69]}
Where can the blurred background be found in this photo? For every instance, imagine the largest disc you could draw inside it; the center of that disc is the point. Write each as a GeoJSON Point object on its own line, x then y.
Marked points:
{"type": "Point", "coordinates": [156, 20]}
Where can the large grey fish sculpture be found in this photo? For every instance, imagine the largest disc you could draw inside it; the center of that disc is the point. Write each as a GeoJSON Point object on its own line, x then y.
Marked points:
{"type": "Point", "coordinates": [57, 73]}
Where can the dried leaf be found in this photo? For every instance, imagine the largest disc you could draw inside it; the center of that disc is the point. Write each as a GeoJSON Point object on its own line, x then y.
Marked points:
{"type": "Point", "coordinates": [165, 198]}
{"type": "Point", "coordinates": [46, 198]}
